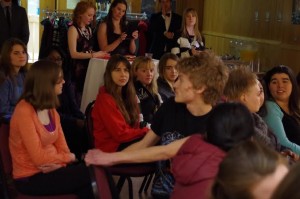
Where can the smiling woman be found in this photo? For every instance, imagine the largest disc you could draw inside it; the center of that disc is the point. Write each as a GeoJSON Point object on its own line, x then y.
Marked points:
{"type": "Point", "coordinates": [283, 110]}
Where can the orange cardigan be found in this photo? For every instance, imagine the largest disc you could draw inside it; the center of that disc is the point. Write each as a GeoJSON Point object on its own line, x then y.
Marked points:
{"type": "Point", "coordinates": [31, 145]}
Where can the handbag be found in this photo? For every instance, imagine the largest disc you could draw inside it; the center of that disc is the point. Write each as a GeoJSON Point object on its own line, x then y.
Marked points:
{"type": "Point", "coordinates": [164, 181]}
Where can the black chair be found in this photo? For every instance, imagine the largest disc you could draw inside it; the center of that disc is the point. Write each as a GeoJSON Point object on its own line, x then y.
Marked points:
{"type": "Point", "coordinates": [124, 171]}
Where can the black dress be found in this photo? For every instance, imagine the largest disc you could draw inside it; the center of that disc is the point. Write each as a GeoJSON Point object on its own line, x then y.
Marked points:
{"type": "Point", "coordinates": [123, 47]}
{"type": "Point", "coordinates": [84, 44]}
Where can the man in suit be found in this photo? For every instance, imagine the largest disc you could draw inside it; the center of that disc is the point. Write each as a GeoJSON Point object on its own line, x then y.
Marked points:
{"type": "Point", "coordinates": [13, 22]}
{"type": "Point", "coordinates": [162, 27]}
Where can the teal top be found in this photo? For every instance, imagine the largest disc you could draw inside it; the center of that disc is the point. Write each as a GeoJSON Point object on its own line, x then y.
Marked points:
{"type": "Point", "coordinates": [274, 121]}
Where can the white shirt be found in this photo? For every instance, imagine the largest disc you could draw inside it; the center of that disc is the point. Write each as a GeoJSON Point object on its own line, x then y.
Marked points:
{"type": "Point", "coordinates": [167, 21]}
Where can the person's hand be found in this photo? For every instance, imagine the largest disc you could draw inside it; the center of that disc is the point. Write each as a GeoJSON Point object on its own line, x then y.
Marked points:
{"type": "Point", "coordinates": [100, 54]}
{"type": "Point", "coordinates": [46, 168]}
{"type": "Point", "coordinates": [290, 154]}
{"type": "Point", "coordinates": [169, 35]}
{"type": "Point", "coordinates": [72, 157]}
{"type": "Point", "coordinates": [135, 35]}
{"type": "Point", "coordinates": [98, 157]}
{"type": "Point", "coordinates": [80, 123]}
{"type": "Point", "coordinates": [195, 52]}
{"type": "Point", "coordinates": [123, 36]}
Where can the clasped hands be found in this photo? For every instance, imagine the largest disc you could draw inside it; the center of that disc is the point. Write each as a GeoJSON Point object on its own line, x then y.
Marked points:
{"type": "Point", "coordinates": [169, 35]}
{"type": "Point", "coordinates": [49, 167]}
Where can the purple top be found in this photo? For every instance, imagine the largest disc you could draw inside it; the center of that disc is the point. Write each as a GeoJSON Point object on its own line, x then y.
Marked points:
{"type": "Point", "coordinates": [51, 126]}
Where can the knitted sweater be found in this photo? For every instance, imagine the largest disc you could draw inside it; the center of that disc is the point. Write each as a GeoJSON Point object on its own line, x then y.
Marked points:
{"type": "Point", "coordinates": [274, 121]}
{"type": "Point", "coordinates": [31, 145]}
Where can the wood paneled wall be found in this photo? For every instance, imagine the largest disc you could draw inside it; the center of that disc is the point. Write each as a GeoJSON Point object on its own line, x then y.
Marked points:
{"type": "Point", "coordinates": [268, 23]}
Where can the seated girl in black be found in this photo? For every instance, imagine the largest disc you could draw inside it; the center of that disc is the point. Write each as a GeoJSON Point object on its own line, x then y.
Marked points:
{"type": "Point", "coordinates": [146, 87]}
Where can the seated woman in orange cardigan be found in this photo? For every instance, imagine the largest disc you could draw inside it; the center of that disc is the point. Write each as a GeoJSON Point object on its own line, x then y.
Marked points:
{"type": "Point", "coordinates": [42, 161]}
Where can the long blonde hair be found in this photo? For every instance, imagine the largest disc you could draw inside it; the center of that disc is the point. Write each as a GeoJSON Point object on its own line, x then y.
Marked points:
{"type": "Point", "coordinates": [147, 63]}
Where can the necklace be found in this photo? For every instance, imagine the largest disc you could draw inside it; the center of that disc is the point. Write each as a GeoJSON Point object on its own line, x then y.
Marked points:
{"type": "Point", "coordinates": [85, 32]}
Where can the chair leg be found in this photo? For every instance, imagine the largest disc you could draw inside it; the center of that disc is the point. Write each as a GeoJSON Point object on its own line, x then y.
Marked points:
{"type": "Point", "coordinates": [148, 182]}
{"type": "Point", "coordinates": [143, 184]}
{"type": "Point", "coordinates": [130, 189]}
{"type": "Point", "coordinates": [120, 183]}
{"type": "Point", "coordinates": [3, 181]}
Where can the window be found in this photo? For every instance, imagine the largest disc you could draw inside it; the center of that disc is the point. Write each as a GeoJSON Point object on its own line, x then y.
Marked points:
{"type": "Point", "coordinates": [34, 22]}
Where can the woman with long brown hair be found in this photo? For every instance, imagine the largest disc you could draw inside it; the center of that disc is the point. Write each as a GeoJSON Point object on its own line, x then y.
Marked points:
{"type": "Point", "coordinates": [283, 106]}
{"type": "Point", "coordinates": [113, 34]}
{"type": "Point", "coordinates": [116, 113]}
{"type": "Point", "coordinates": [42, 162]}
{"type": "Point", "coordinates": [13, 61]}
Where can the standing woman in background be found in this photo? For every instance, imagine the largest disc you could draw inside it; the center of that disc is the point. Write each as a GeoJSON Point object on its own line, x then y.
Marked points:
{"type": "Point", "coordinates": [111, 34]}
{"type": "Point", "coordinates": [80, 41]}
{"type": "Point", "coordinates": [13, 62]}
{"type": "Point", "coordinates": [283, 109]}
{"type": "Point", "coordinates": [167, 75]}
{"type": "Point", "coordinates": [42, 162]}
{"type": "Point", "coordinates": [189, 39]}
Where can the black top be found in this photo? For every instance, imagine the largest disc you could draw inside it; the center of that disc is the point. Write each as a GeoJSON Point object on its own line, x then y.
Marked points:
{"type": "Point", "coordinates": [123, 47]}
{"type": "Point", "coordinates": [149, 103]}
{"type": "Point", "coordinates": [175, 118]}
{"type": "Point", "coordinates": [291, 128]}
{"type": "Point", "coordinates": [164, 89]}
{"type": "Point", "coordinates": [85, 40]}
{"type": "Point", "coordinates": [171, 122]}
